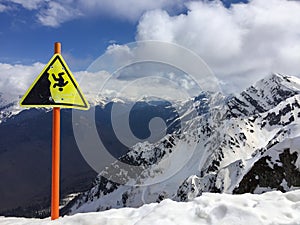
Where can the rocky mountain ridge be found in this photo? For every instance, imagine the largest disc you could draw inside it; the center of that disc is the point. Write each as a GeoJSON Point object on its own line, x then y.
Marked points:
{"type": "Point", "coordinates": [231, 145]}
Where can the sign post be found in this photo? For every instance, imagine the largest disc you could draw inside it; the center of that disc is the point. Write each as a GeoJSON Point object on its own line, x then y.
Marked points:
{"type": "Point", "coordinates": [55, 88]}
{"type": "Point", "coordinates": [55, 154]}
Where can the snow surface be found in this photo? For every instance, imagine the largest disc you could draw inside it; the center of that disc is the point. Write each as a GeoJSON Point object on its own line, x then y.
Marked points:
{"type": "Point", "coordinates": [269, 208]}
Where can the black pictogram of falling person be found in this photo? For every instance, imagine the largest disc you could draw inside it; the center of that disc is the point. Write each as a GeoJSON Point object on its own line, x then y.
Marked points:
{"type": "Point", "coordinates": [60, 81]}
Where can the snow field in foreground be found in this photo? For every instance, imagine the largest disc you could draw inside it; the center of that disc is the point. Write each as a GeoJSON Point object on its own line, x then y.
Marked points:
{"type": "Point", "coordinates": [269, 208]}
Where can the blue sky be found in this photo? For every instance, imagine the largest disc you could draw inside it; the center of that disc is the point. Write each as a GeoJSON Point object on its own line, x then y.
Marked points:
{"type": "Point", "coordinates": [26, 39]}
{"type": "Point", "coordinates": [240, 41]}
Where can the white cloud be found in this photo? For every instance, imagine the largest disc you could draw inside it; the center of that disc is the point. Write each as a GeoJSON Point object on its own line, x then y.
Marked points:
{"type": "Point", "coordinates": [29, 4]}
{"type": "Point", "coordinates": [2, 8]}
{"type": "Point", "coordinates": [241, 44]}
{"type": "Point", "coordinates": [129, 9]}
{"type": "Point", "coordinates": [57, 13]}
{"type": "Point", "coordinates": [151, 69]}
{"type": "Point", "coordinates": [16, 79]}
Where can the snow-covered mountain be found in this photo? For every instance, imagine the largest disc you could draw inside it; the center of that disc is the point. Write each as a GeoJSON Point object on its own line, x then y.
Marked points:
{"type": "Point", "coordinates": [214, 143]}
{"type": "Point", "coordinates": [245, 143]}
{"type": "Point", "coordinates": [26, 134]}
{"type": "Point", "coordinates": [8, 107]}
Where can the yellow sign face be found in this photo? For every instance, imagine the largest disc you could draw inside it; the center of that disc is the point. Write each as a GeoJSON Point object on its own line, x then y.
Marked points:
{"type": "Point", "coordinates": [55, 87]}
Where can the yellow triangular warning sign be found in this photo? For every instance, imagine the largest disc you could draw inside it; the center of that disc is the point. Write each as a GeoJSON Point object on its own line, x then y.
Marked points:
{"type": "Point", "coordinates": [55, 87]}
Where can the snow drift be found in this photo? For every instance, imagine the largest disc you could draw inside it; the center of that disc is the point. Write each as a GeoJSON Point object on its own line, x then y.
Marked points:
{"type": "Point", "coordinates": [209, 209]}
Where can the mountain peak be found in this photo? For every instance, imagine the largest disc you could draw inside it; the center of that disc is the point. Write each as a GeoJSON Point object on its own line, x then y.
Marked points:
{"type": "Point", "coordinates": [264, 95]}
{"type": "Point", "coordinates": [277, 79]}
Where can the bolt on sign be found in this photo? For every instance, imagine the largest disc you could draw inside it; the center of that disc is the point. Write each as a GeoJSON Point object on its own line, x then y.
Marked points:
{"type": "Point", "coordinates": [55, 87]}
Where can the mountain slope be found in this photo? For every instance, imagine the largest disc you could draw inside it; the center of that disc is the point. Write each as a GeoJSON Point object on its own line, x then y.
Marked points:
{"type": "Point", "coordinates": [25, 152]}
{"type": "Point", "coordinates": [219, 149]}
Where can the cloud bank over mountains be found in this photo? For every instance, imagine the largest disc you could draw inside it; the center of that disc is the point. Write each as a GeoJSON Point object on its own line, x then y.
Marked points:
{"type": "Point", "coordinates": [241, 44]}
{"type": "Point", "coordinates": [16, 79]}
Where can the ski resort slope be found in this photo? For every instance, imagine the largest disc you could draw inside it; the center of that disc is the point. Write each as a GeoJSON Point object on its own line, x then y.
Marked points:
{"type": "Point", "coordinates": [209, 209]}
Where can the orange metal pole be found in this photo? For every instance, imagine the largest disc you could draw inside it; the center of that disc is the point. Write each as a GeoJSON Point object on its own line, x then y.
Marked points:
{"type": "Point", "coordinates": [55, 154]}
